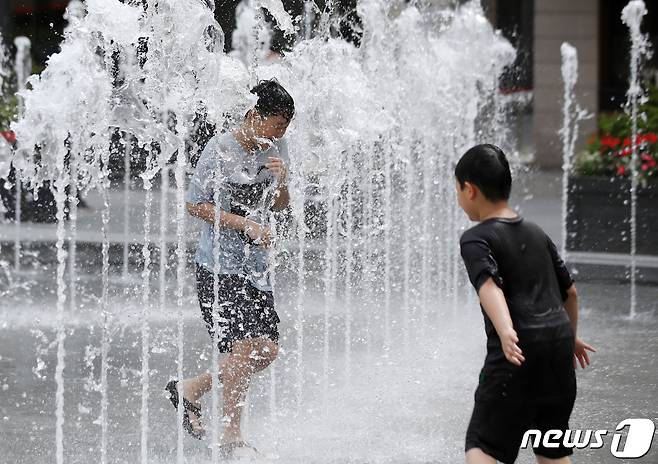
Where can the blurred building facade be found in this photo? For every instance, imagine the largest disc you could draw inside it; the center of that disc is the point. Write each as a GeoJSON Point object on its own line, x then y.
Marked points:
{"type": "Point", "coordinates": [594, 27]}
{"type": "Point", "coordinates": [536, 27]}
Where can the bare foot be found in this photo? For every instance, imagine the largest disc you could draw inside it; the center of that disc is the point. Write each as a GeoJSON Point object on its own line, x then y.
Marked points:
{"type": "Point", "coordinates": [192, 396]}
{"type": "Point", "coordinates": [195, 422]}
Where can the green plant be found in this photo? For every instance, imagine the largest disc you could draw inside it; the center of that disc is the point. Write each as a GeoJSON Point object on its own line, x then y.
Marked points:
{"type": "Point", "coordinates": [609, 150]}
{"type": "Point", "coordinates": [8, 111]}
{"type": "Point", "coordinates": [589, 163]}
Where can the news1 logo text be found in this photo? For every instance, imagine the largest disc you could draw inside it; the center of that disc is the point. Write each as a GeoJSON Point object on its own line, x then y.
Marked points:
{"type": "Point", "coordinates": [639, 437]}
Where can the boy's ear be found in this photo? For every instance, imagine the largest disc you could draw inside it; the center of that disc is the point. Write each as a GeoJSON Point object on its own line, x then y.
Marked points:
{"type": "Point", "coordinates": [471, 190]}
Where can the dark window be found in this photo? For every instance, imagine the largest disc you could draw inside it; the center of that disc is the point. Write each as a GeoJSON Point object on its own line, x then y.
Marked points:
{"type": "Point", "coordinates": [515, 19]}
{"type": "Point", "coordinates": [614, 52]}
{"type": "Point", "coordinates": [40, 20]}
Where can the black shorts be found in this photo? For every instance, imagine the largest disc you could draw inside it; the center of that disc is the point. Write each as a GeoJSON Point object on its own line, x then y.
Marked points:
{"type": "Point", "coordinates": [510, 400]}
{"type": "Point", "coordinates": [244, 311]}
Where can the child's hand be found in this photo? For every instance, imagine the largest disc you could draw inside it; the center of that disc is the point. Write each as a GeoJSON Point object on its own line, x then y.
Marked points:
{"type": "Point", "coordinates": [258, 233]}
{"type": "Point", "coordinates": [580, 353]}
{"type": "Point", "coordinates": [278, 168]}
{"type": "Point", "coordinates": [264, 239]}
{"type": "Point", "coordinates": [513, 353]}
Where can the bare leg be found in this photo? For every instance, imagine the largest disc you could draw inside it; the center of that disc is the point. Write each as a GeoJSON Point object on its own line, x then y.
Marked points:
{"type": "Point", "coordinates": [247, 358]}
{"type": "Point", "coordinates": [543, 460]}
{"type": "Point", "coordinates": [477, 456]}
{"type": "Point", "coordinates": [195, 387]}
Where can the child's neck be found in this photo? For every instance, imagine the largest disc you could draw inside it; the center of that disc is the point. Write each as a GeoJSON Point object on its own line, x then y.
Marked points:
{"type": "Point", "coordinates": [246, 139]}
{"type": "Point", "coordinates": [497, 210]}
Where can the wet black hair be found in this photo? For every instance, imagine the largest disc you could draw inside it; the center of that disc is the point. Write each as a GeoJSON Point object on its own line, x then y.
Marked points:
{"type": "Point", "coordinates": [273, 99]}
{"type": "Point", "coordinates": [486, 167]}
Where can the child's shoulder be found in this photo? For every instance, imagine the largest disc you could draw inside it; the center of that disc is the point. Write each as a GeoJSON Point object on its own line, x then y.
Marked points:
{"type": "Point", "coordinates": [478, 232]}
{"type": "Point", "coordinates": [490, 229]}
{"type": "Point", "coordinates": [224, 141]}
{"type": "Point", "coordinates": [221, 148]}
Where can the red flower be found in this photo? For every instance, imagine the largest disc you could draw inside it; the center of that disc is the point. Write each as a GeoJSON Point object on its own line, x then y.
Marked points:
{"type": "Point", "coordinates": [610, 141]}
{"type": "Point", "coordinates": [651, 137]}
{"type": "Point", "coordinates": [627, 142]}
{"type": "Point", "coordinates": [645, 167]}
{"type": "Point", "coordinates": [621, 170]}
{"type": "Point", "coordinates": [10, 136]}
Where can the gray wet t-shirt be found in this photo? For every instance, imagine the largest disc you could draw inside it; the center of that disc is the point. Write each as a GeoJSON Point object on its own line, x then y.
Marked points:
{"type": "Point", "coordinates": [245, 187]}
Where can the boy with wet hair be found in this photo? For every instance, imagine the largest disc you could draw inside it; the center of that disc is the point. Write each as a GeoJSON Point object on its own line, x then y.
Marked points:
{"type": "Point", "coordinates": [246, 171]}
{"type": "Point", "coordinates": [530, 309]}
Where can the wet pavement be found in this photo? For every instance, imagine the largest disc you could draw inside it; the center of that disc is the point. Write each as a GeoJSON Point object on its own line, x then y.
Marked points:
{"type": "Point", "coordinates": [408, 402]}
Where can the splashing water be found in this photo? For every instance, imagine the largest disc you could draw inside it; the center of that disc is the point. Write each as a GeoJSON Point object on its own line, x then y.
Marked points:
{"type": "Point", "coordinates": [5, 146]}
{"type": "Point", "coordinates": [252, 37]}
{"type": "Point", "coordinates": [377, 130]}
{"type": "Point", "coordinates": [275, 8]}
{"type": "Point", "coordinates": [22, 70]}
{"type": "Point", "coordinates": [22, 62]}
{"type": "Point", "coordinates": [572, 114]}
{"type": "Point", "coordinates": [4, 62]}
{"type": "Point", "coordinates": [146, 330]}
{"type": "Point", "coordinates": [632, 15]}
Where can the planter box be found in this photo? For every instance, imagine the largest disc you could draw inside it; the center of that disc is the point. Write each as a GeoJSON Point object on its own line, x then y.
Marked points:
{"type": "Point", "coordinates": [599, 211]}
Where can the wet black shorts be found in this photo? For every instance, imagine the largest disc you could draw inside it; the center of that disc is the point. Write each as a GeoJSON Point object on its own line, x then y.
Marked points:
{"type": "Point", "coordinates": [244, 311]}
{"type": "Point", "coordinates": [510, 400]}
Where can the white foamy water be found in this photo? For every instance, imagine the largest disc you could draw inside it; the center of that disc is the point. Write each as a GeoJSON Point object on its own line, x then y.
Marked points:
{"type": "Point", "coordinates": [376, 134]}
{"type": "Point", "coordinates": [571, 115]}
{"type": "Point", "coordinates": [632, 16]}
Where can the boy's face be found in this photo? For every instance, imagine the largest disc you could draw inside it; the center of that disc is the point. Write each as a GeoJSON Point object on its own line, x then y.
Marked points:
{"type": "Point", "coordinates": [271, 127]}
{"type": "Point", "coordinates": [467, 199]}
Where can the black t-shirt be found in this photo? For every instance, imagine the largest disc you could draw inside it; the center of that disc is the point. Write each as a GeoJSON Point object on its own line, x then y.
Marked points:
{"type": "Point", "coordinates": [524, 263]}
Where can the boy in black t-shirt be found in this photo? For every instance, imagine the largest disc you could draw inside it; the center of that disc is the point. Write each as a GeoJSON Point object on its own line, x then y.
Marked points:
{"type": "Point", "coordinates": [530, 312]}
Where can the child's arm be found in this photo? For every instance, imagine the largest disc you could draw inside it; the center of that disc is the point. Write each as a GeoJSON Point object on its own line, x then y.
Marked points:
{"type": "Point", "coordinates": [570, 297]}
{"type": "Point", "coordinates": [571, 305]}
{"type": "Point", "coordinates": [581, 348]}
{"type": "Point", "coordinates": [282, 197]}
{"type": "Point", "coordinates": [206, 211]}
{"type": "Point", "coordinates": [494, 304]}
